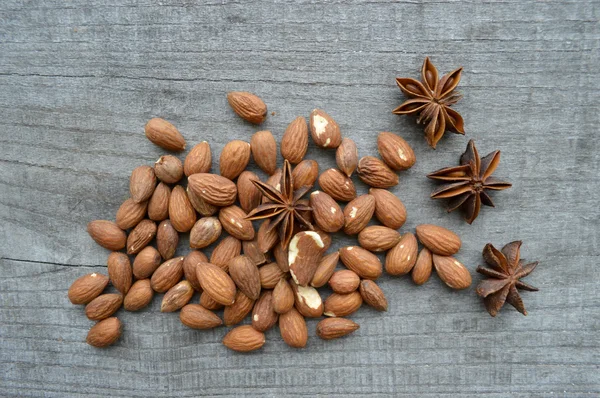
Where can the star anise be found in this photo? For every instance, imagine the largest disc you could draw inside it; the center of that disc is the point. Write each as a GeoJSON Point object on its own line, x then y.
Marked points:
{"type": "Point", "coordinates": [467, 183]}
{"type": "Point", "coordinates": [284, 208]}
{"type": "Point", "coordinates": [432, 99]}
{"type": "Point", "coordinates": [506, 271]}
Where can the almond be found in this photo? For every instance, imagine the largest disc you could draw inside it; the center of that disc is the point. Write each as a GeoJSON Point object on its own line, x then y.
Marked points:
{"type": "Point", "coordinates": [130, 214]}
{"type": "Point", "coordinates": [206, 231]}
{"type": "Point", "coordinates": [358, 213]}
{"type": "Point", "coordinates": [395, 152]}
{"type": "Point", "coordinates": [361, 261]}
{"type": "Point", "coordinates": [168, 169]}
{"type": "Point", "coordinates": [378, 238]}
{"type": "Point", "coordinates": [265, 237]}
{"type": "Point", "coordinates": [281, 258]}
{"type": "Point", "coordinates": [305, 173]}
{"type": "Point", "coordinates": [200, 204]}
{"type": "Point", "coordinates": [342, 304]}
{"type": "Point", "coordinates": [139, 295]}
{"type": "Point", "coordinates": [236, 312]}
{"type": "Point", "coordinates": [389, 209]}
{"type": "Point", "coordinates": [104, 333]}
{"type": "Point", "coordinates": [304, 253]}
{"type": "Point", "coordinates": [269, 274]}
{"type": "Point", "coordinates": [119, 271]}
{"type": "Point", "coordinates": [326, 212]}
{"type": "Point", "coordinates": [294, 142]}
{"type": "Point", "coordinates": [245, 275]}
{"type": "Point", "coordinates": [422, 269]}
{"type": "Point", "coordinates": [234, 158]}
{"type": "Point", "coordinates": [264, 316]}
{"type": "Point", "coordinates": [248, 195]}
{"type": "Point", "coordinates": [214, 189]}
{"type": "Point", "coordinates": [146, 262]}
{"type": "Point", "coordinates": [103, 306]}
{"type": "Point", "coordinates": [325, 269]}
{"type": "Point", "coordinates": [190, 263]}
{"type": "Point", "coordinates": [346, 156]}
{"type": "Point", "coordinates": [402, 257]}
{"type": "Point", "coordinates": [324, 130]}
{"type": "Point", "coordinates": [251, 250]}
{"type": "Point", "coordinates": [226, 250]}
{"type": "Point", "coordinates": [158, 205]}
{"type": "Point", "coordinates": [199, 160]}
{"type": "Point", "coordinates": [375, 173]}
{"type": "Point", "coordinates": [244, 339]}
{"type": "Point", "coordinates": [292, 327]}
{"type": "Point", "coordinates": [333, 328]}
{"type": "Point", "coordinates": [439, 240]}
{"type": "Point", "coordinates": [209, 303]}
{"type": "Point", "coordinates": [247, 106]}
{"type": "Point", "coordinates": [274, 181]}
{"type": "Point", "coordinates": [337, 185]}
{"type": "Point", "coordinates": [264, 151]}
{"type": "Point", "coordinates": [167, 239]}
{"type": "Point", "coordinates": [196, 316]}
{"type": "Point", "coordinates": [308, 301]}
{"type": "Point", "coordinates": [165, 135]}
{"type": "Point", "coordinates": [283, 297]}
{"type": "Point", "coordinates": [167, 275]}
{"type": "Point", "coordinates": [372, 295]}
{"type": "Point", "coordinates": [141, 235]}
{"type": "Point", "coordinates": [452, 272]}
{"type": "Point", "coordinates": [107, 234]}
{"type": "Point", "coordinates": [177, 296]}
{"type": "Point", "coordinates": [233, 220]}
{"type": "Point", "coordinates": [181, 211]}
{"type": "Point", "coordinates": [141, 183]}
{"type": "Point", "coordinates": [216, 283]}
{"type": "Point", "coordinates": [325, 237]}
{"type": "Point", "coordinates": [87, 287]}
{"type": "Point", "coordinates": [344, 281]}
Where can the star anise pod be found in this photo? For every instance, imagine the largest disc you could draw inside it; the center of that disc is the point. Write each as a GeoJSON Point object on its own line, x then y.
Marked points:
{"type": "Point", "coordinates": [284, 208]}
{"type": "Point", "coordinates": [466, 184]}
{"type": "Point", "coordinates": [506, 270]}
{"type": "Point", "coordinates": [432, 99]}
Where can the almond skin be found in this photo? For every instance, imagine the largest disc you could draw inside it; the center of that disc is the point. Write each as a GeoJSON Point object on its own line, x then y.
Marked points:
{"type": "Point", "coordinates": [324, 130]}
{"type": "Point", "coordinates": [176, 297]}
{"type": "Point", "coordinates": [139, 295]}
{"type": "Point", "coordinates": [438, 240]}
{"type": "Point", "coordinates": [168, 169]}
{"type": "Point", "coordinates": [333, 328]}
{"type": "Point", "coordinates": [327, 214]}
{"type": "Point", "coordinates": [167, 275]}
{"type": "Point", "coordinates": [226, 250]}
{"type": "Point", "coordinates": [233, 220]}
{"type": "Point", "coordinates": [234, 158]}
{"type": "Point", "coordinates": [236, 312]}
{"type": "Point", "coordinates": [270, 274]}
{"type": "Point", "coordinates": [307, 300]}
{"type": "Point", "coordinates": [196, 316]}
{"type": "Point", "coordinates": [264, 151]}
{"type": "Point", "coordinates": [200, 204]}
{"type": "Point", "coordinates": [378, 238]}
{"type": "Point", "coordinates": [104, 333]}
{"type": "Point", "coordinates": [452, 272]}
{"type": "Point", "coordinates": [423, 267]}
{"type": "Point", "coordinates": [283, 297]}
{"type": "Point", "coordinates": [165, 135]}
{"type": "Point", "coordinates": [146, 262]}
{"type": "Point", "coordinates": [266, 239]}
{"type": "Point", "coordinates": [248, 195]}
{"type": "Point", "coordinates": [274, 180]}
{"type": "Point", "coordinates": [358, 213]}
{"type": "Point", "coordinates": [325, 269]}
{"type": "Point", "coordinates": [244, 339]}
{"type": "Point", "coordinates": [305, 173]}
{"type": "Point", "coordinates": [395, 152]}
{"type": "Point", "coordinates": [247, 106]}
{"type": "Point", "coordinates": [181, 211]}
{"type": "Point", "coordinates": [206, 231]}
{"type": "Point", "coordinates": [344, 281]}
{"type": "Point", "coordinates": [281, 258]}
{"type": "Point", "coordinates": [346, 156]}
{"type": "Point", "coordinates": [103, 306]}
{"type": "Point", "coordinates": [342, 304]}
{"type": "Point", "coordinates": [87, 287]}
{"type": "Point", "coordinates": [292, 327]}
{"type": "Point", "coordinates": [216, 283]}
{"type": "Point", "coordinates": [199, 160]}
{"type": "Point", "coordinates": [264, 316]}
{"type": "Point", "coordinates": [337, 185]}
{"type": "Point", "coordinates": [361, 261]}
{"type": "Point", "coordinates": [389, 209]}
{"type": "Point", "coordinates": [401, 259]}
{"type": "Point", "coordinates": [119, 271]}
{"type": "Point", "coordinates": [372, 295]}
{"type": "Point", "coordinates": [251, 250]}
{"type": "Point", "coordinates": [209, 303]}
{"type": "Point", "coordinates": [246, 276]}
{"type": "Point", "coordinates": [107, 234]}
{"type": "Point", "coordinates": [304, 253]}
{"type": "Point", "coordinates": [375, 173]}
{"type": "Point", "coordinates": [167, 239]}
{"type": "Point", "coordinates": [214, 189]}
{"type": "Point", "coordinates": [294, 142]}
{"type": "Point", "coordinates": [158, 205]}
{"type": "Point", "coordinates": [130, 214]}
{"type": "Point", "coordinates": [141, 183]}
{"type": "Point", "coordinates": [190, 263]}
{"type": "Point", "coordinates": [140, 236]}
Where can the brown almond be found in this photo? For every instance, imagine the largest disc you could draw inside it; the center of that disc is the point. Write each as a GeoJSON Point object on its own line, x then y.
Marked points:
{"type": "Point", "coordinates": [264, 151]}
{"type": "Point", "coordinates": [304, 253]}
{"type": "Point", "coordinates": [206, 231]}
{"type": "Point", "coordinates": [234, 158]}
{"type": "Point", "coordinates": [168, 169]}
{"type": "Point", "coordinates": [251, 250]}
{"type": "Point", "coordinates": [395, 152]}
{"type": "Point", "coordinates": [167, 275]}
{"type": "Point", "coordinates": [226, 250]}
{"type": "Point", "coordinates": [324, 130]}
{"type": "Point", "coordinates": [307, 300]}
{"type": "Point", "coordinates": [130, 214]}
{"type": "Point", "coordinates": [248, 195]}
{"type": "Point", "coordinates": [200, 204]}
{"type": "Point", "coordinates": [104, 333]}
{"type": "Point", "coordinates": [325, 269]}
{"type": "Point", "coordinates": [190, 263]}
{"type": "Point", "coordinates": [274, 181]}
{"type": "Point", "coordinates": [141, 183]}
{"type": "Point", "coordinates": [389, 209]}
{"type": "Point", "coordinates": [281, 258]}
{"type": "Point", "coordinates": [378, 238]}
{"type": "Point", "coordinates": [119, 271]}
{"type": "Point", "coordinates": [177, 296]}
{"type": "Point", "coordinates": [158, 205]}
{"type": "Point", "coordinates": [140, 236]}
{"type": "Point", "coordinates": [372, 295]}
{"type": "Point", "coordinates": [344, 281]}
{"type": "Point", "coordinates": [164, 134]}
{"type": "Point", "coordinates": [294, 142]}
{"type": "Point", "coordinates": [283, 297]}
{"type": "Point", "coordinates": [209, 303]}
{"type": "Point", "coordinates": [247, 106]}
{"type": "Point", "coordinates": [439, 240]}
{"type": "Point", "coordinates": [196, 316]}
{"type": "Point", "coordinates": [244, 339]}
{"type": "Point", "coordinates": [361, 261]}
{"type": "Point", "coordinates": [181, 212]}
{"type": "Point", "coordinates": [233, 219]}
{"type": "Point", "coordinates": [269, 275]}
{"type": "Point", "coordinates": [292, 327]}
{"type": "Point", "coordinates": [326, 212]}
{"type": "Point", "coordinates": [266, 238]}
{"type": "Point", "coordinates": [245, 275]}
{"type": "Point", "coordinates": [337, 185]}
{"type": "Point", "coordinates": [333, 328]}
{"type": "Point", "coordinates": [452, 272]}
{"type": "Point", "coordinates": [346, 156]}
{"type": "Point", "coordinates": [401, 259]}
{"type": "Point", "coordinates": [236, 312]}
{"type": "Point", "coordinates": [167, 239]}
{"type": "Point", "coordinates": [139, 295]}
{"type": "Point", "coordinates": [358, 213]}
{"type": "Point", "coordinates": [375, 173]}
{"type": "Point", "coordinates": [342, 304]}
{"type": "Point", "coordinates": [325, 237]}
{"type": "Point", "coordinates": [423, 267]}
{"type": "Point", "coordinates": [199, 160]}
{"type": "Point", "coordinates": [107, 234]}
{"type": "Point", "coordinates": [214, 189]}
{"type": "Point", "coordinates": [216, 283]}
{"type": "Point", "coordinates": [103, 306]}
{"type": "Point", "coordinates": [146, 262]}
{"type": "Point", "coordinates": [87, 287]}
{"type": "Point", "coordinates": [264, 316]}
{"type": "Point", "coordinates": [305, 173]}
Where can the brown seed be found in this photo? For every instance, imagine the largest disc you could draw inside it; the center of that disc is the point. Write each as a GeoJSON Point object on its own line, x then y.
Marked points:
{"type": "Point", "coordinates": [103, 306]}
{"type": "Point", "coordinates": [167, 275]}
{"type": "Point", "coordinates": [236, 312]}
{"type": "Point", "coordinates": [304, 253]}
{"type": "Point", "coordinates": [423, 267]}
{"type": "Point", "coordinates": [358, 213]}
{"type": "Point", "coordinates": [452, 272]}
{"type": "Point", "coordinates": [264, 316]}
{"type": "Point", "coordinates": [325, 269]}
{"type": "Point", "coordinates": [140, 236]}
{"type": "Point", "coordinates": [104, 333]}
{"type": "Point", "coordinates": [270, 274]}
{"type": "Point", "coordinates": [196, 316]}
{"type": "Point", "coordinates": [244, 339]}
{"type": "Point", "coordinates": [361, 261]}
{"type": "Point", "coordinates": [158, 205]}
{"type": "Point", "coordinates": [281, 258]}
{"type": "Point", "coordinates": [206, 231]}
{"type": "Point", "coordinates": [326, 212]}
{"type": "Point", "coordinates": [168, 169]}
{"type": "Point", "coordinates": [307, 301]}
{"type": "Point", "coordinates": [251, 250]}
{"type": "Point", "coordinates": [119, 271]}
{"type": "Point", "coordinates": [283, 297]}
{"type": "Point", "coordinates": [165, 135]}
{"type": "Point", "coordinates": [176, 297]}
{"type": "Point", "coordinates": [212, 188]}
{"type": "Point", "coordinates": [378, 238]}
{"type": "Point", "coordinates": [226, 250]}
{"type": "Point", "coordinates": [305, 173]}
{"type": "Point", "coordinates": [209, 303]}
{"type": "Point", "coordinates": [130, 214]}
{"type": "Point", "coordinates": [395, 152]}
{"type": "Point", "coordinates": [247, 106]}
{"type": "Point", "coordinates": [266, 239]}
{"type": "Point", "coordinates": [389, 209]}
{"type": "Point", "coordinates": [292, 327]}
{"type": "Point", "coordinates": [248, 195]}
{"type": "Point", "coordinates": [346, 156]}
{"type": "Point", "coordinates": [216, 283]}
{"type": "Point", "coordinates": [439, 240]}
{"type": "Point", "coordinates": [294, 142]}
{"type": "Point", "coordinates": [333, 328]}
{"type": "Point", "coordinates": [337, 185]}
{"type": "Point", "coordinates": [274, 181]}
{"type": "Point", "coordinates": [190, 263]}
{"type": "Point", "coordinates": [234, 158]}
{"type": "Point", "coordinates": [375, 173]}
{"type": "Point", "coordinates": [264, 151]}
{"type": "Point", "coordinates": [87, 287]}
{"type": "Point", "coordinates": [107, 234]}
{"type": "Point", "coordinates": [401, 259]}
{"type": "Point", "coordinates": [246, 276]}
{"type": "Point", "coordinates": [139, 295]}
{"type": "Point", "coordinates": [167, 239]}
{"type": "Point", "coordinates": [200, 204]}
{"type": "Point", "coordinates": [181, 211]}
{"type": "Point", "coordinates": [141, 183]}
{"type": "Point", "coordinates": [199, 160]}
{"type": "Point", "coordinates": [342, 304]}
{"type": "Point", "coordinates": [325, 237]}
{"type": "Point", "coordinates": [146, 262]}
{"type": "Point", "coordinates": [344, 281]}
{"type": "Point", "coordinates": [372, 295]}
{"type": "Point", "coordinates": [324, 130]}
{"type": "Point", "coordinates": [233, 219]}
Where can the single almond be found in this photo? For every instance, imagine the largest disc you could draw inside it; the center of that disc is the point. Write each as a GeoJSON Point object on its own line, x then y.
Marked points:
{"type": "Point", "coordinates": [305, 173]}
{"type": "Point", "coordinates": [307, 300]}
{"type": "Point", "coordinates": [234, 158]}
{"type": "Point", "coordinates": [338, 185]}
{"type": "Point", "coordinates": [283, 297]}
{"type": "Point", "coordinates": [294, 142]}
{"type": "Point", "coordinates": [342, 304]}
{"type": "Point", "coordinates": [165, 135]}
{"type": "Point", "coordinates": [236, 312]}
{"type": "Point", "coordinates": [372, 295]}
{"type": "Point", "coordinates": [326, 212]}
{"type": "Point", "coordinates": [177, 296]}
{"type": "Point", "coordinates": [281, 258]}
{"type": "Point", "coordinates": [244, 339]}
{"type": "Point", "coordinates": [375, 173]}
{"type": "Point", "coordinates": [196, 316]}
{"type": "Point", "coordinates": [346, 156]}
{"type": "Point", "coordinates": [146, 262]}
{"type": "Point", "coordinates": [423, 267]}
{"type": "Point", "coordinates": [251, 250]}
{"type": "Point", "coordinates": [104, 333]}
{"type": "Point", "coordinates": [216, 283]}
{"type": "Point", "coordinates": [389, 209]}
{"type": "Point", "coordinates": [395, 152]}
{"type": "Point", "coordinates": [119, 271]}
{"type": "Point", "coordinates": [139, 295]}
{"type": "Point", "coordinates": [274, 180]}
{"type": "Point", "coordinates": [226, 250]}
{"type": "Point", "coordinates": [206, 231]}
{"type": "Point", "coordinates": [248, 195]}
{"type": "Point", "coordinates": [401, 259]}
{"type": "Point", "coordinates": [264, 316]}
{"type": "Point", "coordinates": [158, 205]}
{"type": "Point", "coordinates": [200, 204]}
{"type": "Point", "coordinates": [361, 261]}
{"type": "Point", "coordinates": [168, 169]}
{"type": "Point", "coordinates": [439, 240]}
{"type": "Point", "coordinates": [269, 275]}
{"type": "Point", "coordinates": [358, 213]}
{"type": "Point", "coordinates": [452, 272]}
{"type": "Point", "coordinates": [266, 238]}
{"type": "Point", "coordinates": [333, 328]}
{"type": "Point", "coordinates": [324, 130]}
{"type": "Point", "coordinates": [304, 253]}
{"type": "Point", "coordinates": [214, 189]}
{"type": "Point", "coordinates": [167, 239]}
{"type": "Point", "coordinates": [141, 183]}
{"type": "Point", "coordinates": [233, 219]}
{"type": "Point", "coordinates": [325, 269]}
{"type": "Point", "coordinates": [264, 151]}
{"type": "Point", "coordinates": [209, 303]}
{"type": "Point", "coordinates": [378, 238]}
{"type": "Point", "coordinates": [247, 106]}
{"type": "Point", "coordinates": [245, 275]}
{"type": "Point", "coordinates": [181, 211]}
{"type": "Point", "coordinates": [140, 236]}
{"type": "Point", "coordinates": [199, 160]}
{"type": "Point", "coordinates": [190, 263]}
{"type": "Point", "coordinates": [167, 275]}
{"type": "Point", "coordinates": [292, 327]}
{"type": "Point", "coordinates": [87, 287]}
{"type": "Point", "coordinates": [130, 214]}
{"type": "Point", "coordinates": [107, 234]}
{"type": "Point", "coordinates": [103, 306]}
{"type": "Point", "coordinates": [344, 281]}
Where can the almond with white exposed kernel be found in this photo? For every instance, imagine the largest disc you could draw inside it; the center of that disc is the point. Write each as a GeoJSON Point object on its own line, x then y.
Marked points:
{"type": "Point", "coordinates": [264, 151]}
{"type": "Point", "coordinates": [244, 339]}
{"type": "Point", "coordinates": [346, 156]}
{"type": "Point", "coordinates": [395, 152]}
{"type": "Point", "coordinates": [181, 212]}
{"type": "Point", "coordinates": [294, 142]}
{"type": "Point", "coordinates": [389, 209]}
{"type": "Point", "coordinates": [361, 261]}
{"type": "Point", "coordinates": [375, 173]}
{"type": "Point", "coordinates": [402, 257]}
{"type": "Point", "coordinates": [214, 189]}
{"type": "Point", "coordinates": [324, 130]}
{"type": "Point", "coordinates": [234, 158]}
{"type": "Point", "coordinates": [439, 240]}
{"type": "Point", "coordinates": [248, 106]}
{"type": "Point", "coordinates": [199, 160]}
{"type": "Point", "coordinates": [87, 287]}
{"type": "Point", "coordinates": [452, 272]}
{"type": "Point", "coordinates": [233, 220]}
{"type": "Point", "coordinates": [342, 304]}
{"type": "Point", "coordinates": [206, 231]}
{"type": "Point", "coordinates": [304, 253]}
{"type": "Point", "coordinates": [307, 300]}
{"type": "Point", "coordinates": [358, 213]}
{"type": "Point", "coordinates": [119, 271]}
{"type": "Point", "coordinates": [164, 134]}
{"type": "Point", "coordinates": [338, 185]}
{"type": "Point", "coordinates": [141, 183]}
{"type": "Point", "coordinates": [333, 328]}
{"type": "Point", "coordinates": [378, 238]}
{"type": "Point", "coordinates": [140, 236]}
{"type": "Point", "coordinates": [372, 295]}
{"type": "Point", "coordinates": [216, 283]}
{"type": "Point", "coordinates": [327, 214]}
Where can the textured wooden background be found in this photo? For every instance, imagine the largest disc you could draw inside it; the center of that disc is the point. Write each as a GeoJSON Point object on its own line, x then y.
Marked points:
{"type": "Point", "coordinates": [79, 79]}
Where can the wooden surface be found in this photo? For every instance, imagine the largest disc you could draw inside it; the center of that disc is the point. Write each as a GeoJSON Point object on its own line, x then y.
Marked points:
{"type": "Point", "coordinates": [79, 79]}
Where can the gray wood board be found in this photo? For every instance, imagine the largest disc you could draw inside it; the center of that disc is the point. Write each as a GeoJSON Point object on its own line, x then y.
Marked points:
{"type": "Point", "coordinates": [79, 79]}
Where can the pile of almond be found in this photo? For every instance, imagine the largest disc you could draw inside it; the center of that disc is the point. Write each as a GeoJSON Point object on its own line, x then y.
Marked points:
{"type": "Point", "coordinates": [249, 272]}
